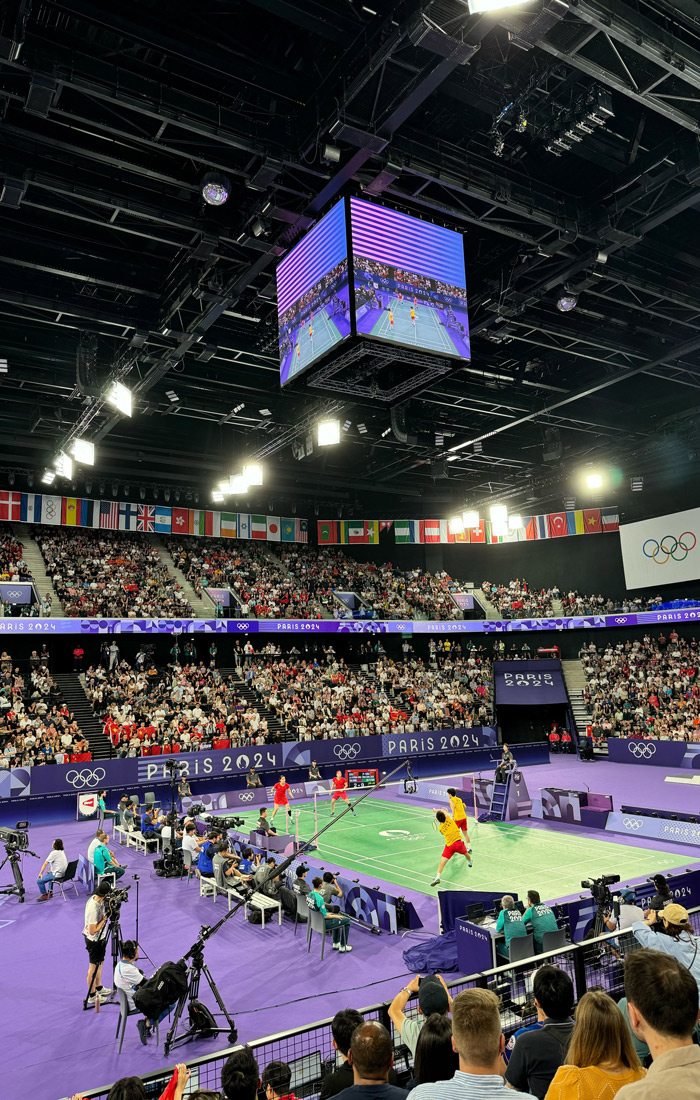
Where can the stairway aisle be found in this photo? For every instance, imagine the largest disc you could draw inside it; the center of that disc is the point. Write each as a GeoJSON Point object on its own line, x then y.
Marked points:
{"type": "Point", "coordinates": [33, 558]}
{"type": "Point", "coordinates": [575, 679]}
{"type": "Point", "coordinates": [251, 697]}
{"type": "Point", "coordinates": [288, 575]}
{"type": "Point", "coordinates": [73, 692]}
{"type": "Point", "coordinates": [203, 609]}
{"type": "Point", "coordinates": [558, 608]}
{"type": "Point", "coordinates": [485, 604]}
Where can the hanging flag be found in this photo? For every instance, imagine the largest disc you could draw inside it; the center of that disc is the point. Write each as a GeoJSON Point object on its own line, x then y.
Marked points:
{"type": "Point", "coordinates": [288, 530]}
{"type": "Point", "coordinates": [258, 527]}
{"type": "Point", "coordinates": [109, 516]}
{"type": "Point", "coordinates": [610, 521]}
{"type": "Point", "coordinates": [163, 519]}
{"type": "Point", "coordinates": [386, 524]}
{"type": "Point", "coordinates": [127, 517]}
{"type": "Point", "coordinates": [86, 512]}
{"type": "Point", "coordinates": [273, 533]}
{"type": "Point", "coordinates": [353, 532]}
{"type": "Point", "coordinates": [406, 530]}
{"type": "Point", "coordinates": [146, 518]}
{"type": "Point", "coordinates": [591, 519]}
{"type": "Point", "coordinates": [301, 530]}
{"type": "Point", "coordinates": [50, 510]}
{"type": "Point", "coordinates": [430, 530]}
{"type": "Point", "coordinates": [372, 529]}
{"type": "Point", "coordinates": [556, 525]}
{"type": "Point", "coordinates": [542, 529]}
{"type": "Point", "coordinates": [579, 522]}
{"type": "Point", "coordinates": [205, 522]}
{"type": "Point", "coordinates": [30, 511]}
{"type": "Point", "coordinates": [182, 521]}
{"type": "Point", "coordinates": [228, 524]}
{"type": "Point", "coordinates": [478, 534]}
{"type": "Point", "coordinates": [455, 536]}
{"type": "Point", "coordinates": [10, 506]}
{"type": "Point", "coordinates": [69, 509]}
{"type": "Point", "coordinates": [327, 532]}
{"type": "Point", "coordinates": [530, 528]}
{"type": "Point", "coordinates": [243, 525]}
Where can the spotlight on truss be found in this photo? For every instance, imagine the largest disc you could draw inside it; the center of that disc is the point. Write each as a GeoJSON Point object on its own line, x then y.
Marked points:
{"type": "Point", "coordinates": [216, 189]}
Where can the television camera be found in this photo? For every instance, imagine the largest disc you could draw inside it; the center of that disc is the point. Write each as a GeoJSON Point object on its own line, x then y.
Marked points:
{"type": "Point", "coordinates": [114, 901]}
{"type": "Point", "coordinates": [17, 838]}
{"type": "Point", "coordinates": [16, 844]}
{"type": "Point", "coordinates": [223, 822]}
{"type": "Point", "coordinates": [605, 903]}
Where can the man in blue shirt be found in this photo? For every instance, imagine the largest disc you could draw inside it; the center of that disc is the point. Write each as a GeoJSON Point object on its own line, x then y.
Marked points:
{"type": "Point", "coordinates": [510, 923]}
{"type": "Point", "coordinates": [478, 1040]}
{"type": "Point", "coordinates": [149, 827]}
{"type": "Point", "coordinates": [205, 861]}
{"type": "Point", "coordinates": [540, 918]}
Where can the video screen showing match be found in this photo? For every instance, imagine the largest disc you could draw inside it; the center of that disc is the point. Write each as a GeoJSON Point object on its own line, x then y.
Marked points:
{"type": "Point", "coordinates": [410, 281]}
{"type": "Point", "coordinates": [313, 298]}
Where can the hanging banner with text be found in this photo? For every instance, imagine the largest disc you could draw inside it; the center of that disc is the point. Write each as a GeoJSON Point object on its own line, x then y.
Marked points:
{"type": "Point", "coordinates": [528, 683]}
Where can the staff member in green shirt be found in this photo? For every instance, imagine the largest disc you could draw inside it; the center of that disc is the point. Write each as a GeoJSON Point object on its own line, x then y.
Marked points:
{"type": "Point", "coordinates": [510, 923]}
{"type": "Point", "coordinates": [540, 918]}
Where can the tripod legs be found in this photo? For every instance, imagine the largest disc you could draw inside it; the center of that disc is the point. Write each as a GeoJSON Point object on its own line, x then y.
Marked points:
{"type": "Point", "coordinates": [172, 1039]}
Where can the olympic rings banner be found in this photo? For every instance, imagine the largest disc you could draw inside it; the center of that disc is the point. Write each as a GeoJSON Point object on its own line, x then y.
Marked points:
{"type": "Point", "coordinates": [662, 754]}
{"type": "Point", "coordinates": [664, 550]}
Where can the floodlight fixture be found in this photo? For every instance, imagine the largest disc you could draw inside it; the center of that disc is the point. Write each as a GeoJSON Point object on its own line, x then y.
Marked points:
{"type": "Point", "coordinates": [83, 451]}
{"type": "Point", "coordinates": [483, 7]}
{"type": "Point", "coordinates": [253, 473]}
{"type": "Point", "coordinates": [471, 519]}
{"type": "Point", "coordinates": [456, 525]}
{"type": "Point", "coordinates": [328, 433]}
{"type": "Point", "coordinates": [64, 465]}
{"type": "Point", "coordinates": [217, 497]}
{"type": "Point", "coordinates": [567, 301]}
{"type": "Point", "coordinates": [515, 522]}
{"type": "Point", "coordinates": [48, 477]}
{"type": "Point", "coordinates": [498, 513]}
{"type": "Point", "coordinates": [330, 154]}
{"type": "Point", "coordinates": [223, 486]}
{"type": "Point", "coordinates": [216, 189]}
{"type": "Point", "coordinates": [238, 485]}
{"type": "Point", "coordinates": [119, 396]}
{"type": "Point", "coordinates": [593, 479]}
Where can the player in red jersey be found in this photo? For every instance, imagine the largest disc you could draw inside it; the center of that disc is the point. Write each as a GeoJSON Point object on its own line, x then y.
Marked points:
{"type": "Point", "coordinates": [280, 793]}
{"type": "Point", "coordinates": [340, 790]}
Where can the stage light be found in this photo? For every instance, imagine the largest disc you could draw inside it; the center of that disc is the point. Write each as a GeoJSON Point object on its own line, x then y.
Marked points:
{"type": "Point", "coordinates": [593, 480]}
{"type": "Point", "coordinates": [328, 433]}
{"type": "Point", "coordinates": [238, 485]}
{"type": "Point", "coordinates": [567, 301]}
{"type": "Point", "coordinates": [83, 451]}
{"type": "Point", "coordinates": [253, 473]}
{"type": "Point", "coordinates": [498, 514]}
{"type": "Point", "coordinates": [119, 396]}
{"type": "Point", "coordinates": [471, 520]}
{"type": "Point", "coordinates": [217, 497]}
{"type": "Point", "coordinates": [456, 525]}
{"type": "Point", "coordinates": [64, 465]}
{"type": "Point", "coordinates": [330, 154]}
{"type": "Point", "coordinates": [216, 188]}
{"type": "Point", "coordinates": [482, 7]}
{"type": "Point", "coordinates": [258, 227]}
{"type": "Point", "coordinates": [515, 522]}
{"type": "Point", "coordinates": [224, 486]}
{"type": "Point", "coordinates": [48, 477]}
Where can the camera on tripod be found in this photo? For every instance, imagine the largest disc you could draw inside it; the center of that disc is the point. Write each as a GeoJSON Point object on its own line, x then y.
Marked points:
{"type": "Point", "coordinates": [599, 888]}
{"type": "Point", "coordinates": [174, 766]}
{"type": "Point", "coordinates": [114, 901]}
{"type": "Point", "coordinates": [16, 839]}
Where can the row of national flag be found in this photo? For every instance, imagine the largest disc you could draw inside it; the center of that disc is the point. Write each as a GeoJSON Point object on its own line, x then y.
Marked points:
{"type": "Point", "coordinates": [553, 525]}
{"type": "Point", "coordinates": [160, 519]}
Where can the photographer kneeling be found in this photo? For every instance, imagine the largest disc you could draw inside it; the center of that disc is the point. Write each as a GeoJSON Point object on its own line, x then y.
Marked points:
{"type": "Point", "coordinates": [128, 977]}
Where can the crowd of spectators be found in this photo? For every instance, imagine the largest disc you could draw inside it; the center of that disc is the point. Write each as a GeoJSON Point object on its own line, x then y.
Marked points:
{"type": "Point", "coordinates": [576, 604]}
{"type": "Point", "coordinates": [185, 707]}
{"type": "Point", "coordinates": [36, 726]}
{"type": "Point", "coordinates": [109, 573]}
{"type": "Point", "coordinates": [12, 564]}
{"type": "Point", "coordinates": [517, 599]}
{"type": "Point", "coordinates": [643, 687]}
{"type": "Point", "coordinates": [325, 698]}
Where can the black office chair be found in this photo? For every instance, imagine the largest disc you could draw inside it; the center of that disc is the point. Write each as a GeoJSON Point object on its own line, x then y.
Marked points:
{"type": "Point", "coordinates": [67, 878]}
{"type": "Point", "coordinates": [552, 941]}
{"type": "Point", "coordinates": [521, 948]}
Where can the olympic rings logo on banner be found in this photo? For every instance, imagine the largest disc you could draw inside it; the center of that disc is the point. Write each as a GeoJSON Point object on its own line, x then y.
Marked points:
{"type": "Point", "coordinates": [85, 778]}
{"type": "Point", "coordinates": [642, 749]}
{"type": "Point", "coordinates": [670, 547]}
{"type": "Point", "coordinates": [633, 823]}
{"type": "Point", "coordinates": [346, 752]}
{"type": "Point", "coordinates": [247, 796]}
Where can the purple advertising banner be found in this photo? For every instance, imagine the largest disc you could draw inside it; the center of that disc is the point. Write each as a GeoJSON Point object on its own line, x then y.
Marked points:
{"type": "Point", "coordinates": [528, 683]}
{"type": "Point", "coordinates": [219, 595]}
{"type": "Point", "coordinates": [464, 600]}
{"type": "Point", "coordinates": [663, 754]}
{"type": "Point", "coordinates": [342, 626]}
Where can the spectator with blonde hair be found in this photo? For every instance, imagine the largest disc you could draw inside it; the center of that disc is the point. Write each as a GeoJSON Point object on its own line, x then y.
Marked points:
{"type": "Point", "coordinates": [601, 1057]}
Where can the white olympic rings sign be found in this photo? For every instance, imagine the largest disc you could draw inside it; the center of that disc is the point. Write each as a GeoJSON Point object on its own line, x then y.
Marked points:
{"type": "Point", "coordinates": [247, 796]}
{"type": "Point", "coordinates": [633, 823]}
{"type": "Point", "coordinates": [643, 750]}
{"type": "Point", "coordinates": [85, 778]}
{"type": "Point", "coordinates": [346, 752]}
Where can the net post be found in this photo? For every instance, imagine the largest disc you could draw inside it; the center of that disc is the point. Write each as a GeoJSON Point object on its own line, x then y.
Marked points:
{"type": "Point", "coordinates": [316, 811]}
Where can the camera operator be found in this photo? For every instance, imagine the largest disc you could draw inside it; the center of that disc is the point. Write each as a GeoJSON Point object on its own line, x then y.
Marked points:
{"type": "Point", "coordinates": [128, 977]}
{"type": "Point", "coordinates": [660, 900]}
{"type": "Point", "coordinates": [229, 863]}
{"type": "Point", "coordinates": [205, 860]}
{"type": "Point", "coordinates": [95, 936]}
{"type": "Point", "coordinates": [677, 937]}
{"type": "Point", "coordinates": [328, 890]}
{"type": "Point", "coordinates": [630, 913]}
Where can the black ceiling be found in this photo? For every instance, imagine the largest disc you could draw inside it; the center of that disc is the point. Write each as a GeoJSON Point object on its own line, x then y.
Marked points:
{"type": "Point", "coordinates": [110, 261]}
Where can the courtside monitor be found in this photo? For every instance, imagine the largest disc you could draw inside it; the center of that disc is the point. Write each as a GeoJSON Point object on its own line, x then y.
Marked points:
{"type": "Point", "coordinates": [410, 283]}
{"type": "Point", "coordinates": [313, 297]}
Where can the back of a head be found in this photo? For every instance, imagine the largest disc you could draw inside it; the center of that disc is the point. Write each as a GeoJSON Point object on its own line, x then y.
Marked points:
{"type": "Point", "coordinates": [127, 1088]}
{"type": "Point", "coordinates": [435, 1059]}
{"type": "Point", "coordinates": [344, 1023]}
{"type": "Point", "coordinates": [553, 989]}
{"type": "Point", "coordinates": [533, 896]}
{"type": "Point", "coordinates": [240, 1076]}
{"type": "Point", "coordinates": [507, 901]}
{"type": "Point", "coordinates": [451, 791]}
{"type": "Point", "coordinates": [663, 991]}
{"type": "Point", "coordinates": [129, 949]}
{"type": "Point", "coordinates": [278, 1075]}
{"type": "Point", "coordinates": [476, 1027]}
{"type": "Point", "coordinates": [661, 884]}
{"type": "Point", "coordinates": [371, 1051]}
{"type": "Point", "coordinates": [601, 1034]}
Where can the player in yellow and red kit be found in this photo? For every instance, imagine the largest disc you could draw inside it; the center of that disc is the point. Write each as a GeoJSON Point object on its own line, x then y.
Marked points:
{"type": "Point", "coordinates": [459, 813]}
{"type": "Point", "coordinates": [454, 845]}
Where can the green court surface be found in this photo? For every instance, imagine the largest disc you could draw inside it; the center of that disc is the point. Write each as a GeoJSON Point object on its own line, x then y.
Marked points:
{"type": "Point", "coordinates": [398, 844]}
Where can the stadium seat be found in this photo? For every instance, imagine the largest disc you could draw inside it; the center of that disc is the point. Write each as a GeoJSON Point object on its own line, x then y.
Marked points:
{"type": "Point", "coordinates": [522, 947]}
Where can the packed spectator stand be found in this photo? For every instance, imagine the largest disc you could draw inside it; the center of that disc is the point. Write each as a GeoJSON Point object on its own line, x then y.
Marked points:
{"type": "Point", "coordinates": [109, 573]}
{"type": "Point", "coordinates": [36, 726]}
{"type": "Point", "coordinates": [643, 687]}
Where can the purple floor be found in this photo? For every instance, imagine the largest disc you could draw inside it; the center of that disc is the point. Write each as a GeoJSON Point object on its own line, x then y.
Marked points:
{"type": "Point", "coordinates": [57, 1049]}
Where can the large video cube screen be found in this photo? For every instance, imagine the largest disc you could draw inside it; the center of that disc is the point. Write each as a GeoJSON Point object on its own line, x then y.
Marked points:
{"type": "Point", "coordinates": [313, 298]}
{"type": "Point", "coordinates": [410, 281]}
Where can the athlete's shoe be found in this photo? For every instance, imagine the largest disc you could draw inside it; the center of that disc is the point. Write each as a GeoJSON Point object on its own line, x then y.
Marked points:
{"type": "Point", "coordinates": [336, 947]}
{"type": "Point", "coordinates": [345, 949]}
{"type": "Point", "coordinates": [469, 863]}
{"type": "Point", "coordinates": [436, 881]}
